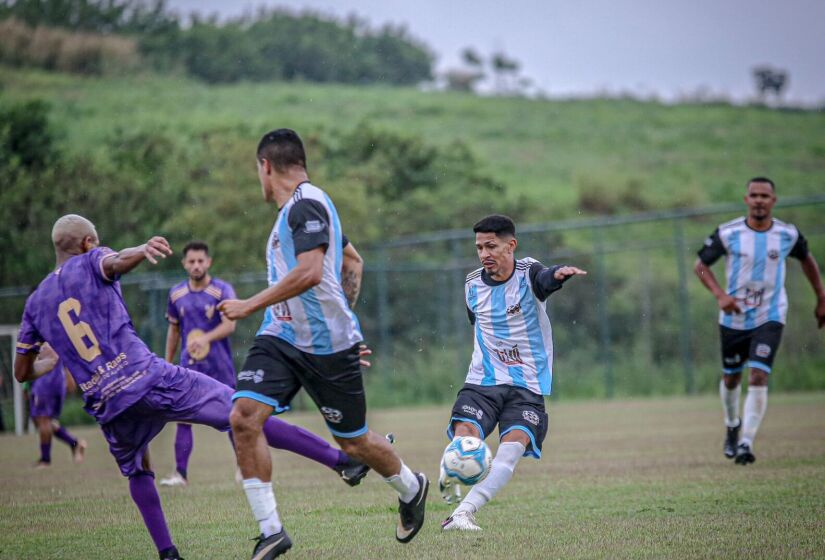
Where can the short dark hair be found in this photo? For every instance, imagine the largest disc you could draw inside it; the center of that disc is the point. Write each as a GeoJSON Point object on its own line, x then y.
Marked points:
{"type": "Point", "coordinates": [495, 223]}
{"type": "Point", "coordinates": [763, 180]}
{"type": "Point", "coordinates": [195, 246]}
{"type": "Point", "coordinates": [283, 149]}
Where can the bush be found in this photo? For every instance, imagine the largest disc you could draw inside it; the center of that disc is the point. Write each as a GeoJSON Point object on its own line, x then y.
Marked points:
{"type": "Point", "coordinates": [66, 51]}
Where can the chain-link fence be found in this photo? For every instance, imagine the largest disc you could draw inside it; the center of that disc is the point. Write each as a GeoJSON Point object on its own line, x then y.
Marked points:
{"type": "Point", "coordinates": [639, 323]}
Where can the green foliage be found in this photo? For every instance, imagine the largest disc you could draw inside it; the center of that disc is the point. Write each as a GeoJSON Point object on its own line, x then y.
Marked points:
{"type": "Point", "coordinates": [139, 174]}
{"type": "Point", "coordinates": [409, 184]}
{"type": "Point", "coordinates": [26, 140]}
{"type": "Point", "coordinates": [270, 45]}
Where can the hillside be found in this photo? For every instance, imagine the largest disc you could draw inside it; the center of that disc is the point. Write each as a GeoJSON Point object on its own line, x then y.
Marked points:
{"type": "Point", "coordinates": [565, 156]}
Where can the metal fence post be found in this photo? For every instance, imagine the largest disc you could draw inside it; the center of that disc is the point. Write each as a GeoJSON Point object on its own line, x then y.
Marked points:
{"type": "Point", "coordinates": [684, 306]}
{"type": "Point", "coordinates": [604, 315]}
{"type": "Point", "coordinates": [382, 285]}
{"type": "Point", "coordinates": [457, 284]}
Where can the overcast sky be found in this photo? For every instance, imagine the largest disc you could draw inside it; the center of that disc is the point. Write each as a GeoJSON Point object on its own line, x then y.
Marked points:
{"type": "Point", "coordinates": [584, 47]}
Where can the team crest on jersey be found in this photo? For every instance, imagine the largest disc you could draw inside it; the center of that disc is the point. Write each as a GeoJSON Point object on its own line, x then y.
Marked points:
{"type": "Point", "coordinates": [531, 417]}
{"type": "Point", "coordinates": [276, 241]}
{"type": "Point", "coordinates": [773, 254]}
{"type": "Point", "coordinates": [209, 310]}
{"type": "Point", "coordinates": [332, 414]}
{"type": "Point", "coordinates": [514, 309]}
{"type": "Point", "coordinates": [763, 350]}
{"type": "Point", "coordinates": [472, 411]}
{"type": "Point", "coordinates": [509, 356]}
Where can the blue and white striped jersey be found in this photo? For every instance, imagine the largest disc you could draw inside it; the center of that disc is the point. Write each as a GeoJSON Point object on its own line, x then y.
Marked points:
{"type": "Point", "coordinates": [318, 321]}
{"type": "Point", "coordinates": [755, 269]}
{"type": "Point", "coordinates": [513, 342]}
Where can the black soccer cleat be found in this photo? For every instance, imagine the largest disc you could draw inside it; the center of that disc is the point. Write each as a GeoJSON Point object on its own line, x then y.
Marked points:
{"type": "Point", "coordinates": [170, 554]}
{"type": "Point", "coordinates": [731, 440]}
{"type": "Point", "coordinates": [353, 471]}
{"type": "Point", "coordinates": [412, 514]}
{"type": "Point", "coordinates": [271, 546]}
{"type": "Point", "coordinates": [744, 455]}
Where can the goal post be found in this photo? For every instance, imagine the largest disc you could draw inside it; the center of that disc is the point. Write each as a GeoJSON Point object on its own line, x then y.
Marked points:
{"type": "Point", "coordinates": [17, 389]}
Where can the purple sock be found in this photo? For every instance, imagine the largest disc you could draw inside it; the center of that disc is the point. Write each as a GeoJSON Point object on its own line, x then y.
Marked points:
{"type": "Point", "coordinates": [46, 452]}
{"type": "Point", "coordinates": [281, 435]}
{"type": "Point", "coordinates": [63, 435]}
{"type": "Point", "coordinates": [145, 496]}
{"type": "Point", "coordinates": [183, 447]}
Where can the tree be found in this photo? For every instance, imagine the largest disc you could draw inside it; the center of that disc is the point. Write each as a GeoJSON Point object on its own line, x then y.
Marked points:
{"type": "Point", "coordinates": [769, 80]}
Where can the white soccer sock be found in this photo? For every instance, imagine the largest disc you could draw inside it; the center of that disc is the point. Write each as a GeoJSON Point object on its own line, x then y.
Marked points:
{"type": "Point", "coordinates": [730, 403]}
{"type": "Point", "coordinates": [405, 483]}
{"type": "Point", "coordinates": [262, 501]}
{"type": "Point", "coordinates": [755, 405]}
{"type": "Point", "coordinates": [509, 454]}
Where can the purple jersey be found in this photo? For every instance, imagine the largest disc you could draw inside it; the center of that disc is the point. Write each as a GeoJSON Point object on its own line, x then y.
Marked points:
{"type": "Point", "coordinates": [196, 312]}
{"type": "Point", "coordinates": [80, 312]}
{"type": "Point", "coordinates": [48, 393]}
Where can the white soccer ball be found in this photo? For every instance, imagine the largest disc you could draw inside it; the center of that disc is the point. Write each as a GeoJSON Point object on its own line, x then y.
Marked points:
{"type": "Point", "coordinates": [467, 459]}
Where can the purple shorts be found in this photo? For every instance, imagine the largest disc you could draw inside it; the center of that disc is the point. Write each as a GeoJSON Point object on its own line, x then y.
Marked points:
{"type": "Point", "coordinates": [181, 395]}
{"type": "Point", "coordinates": [46, 403]}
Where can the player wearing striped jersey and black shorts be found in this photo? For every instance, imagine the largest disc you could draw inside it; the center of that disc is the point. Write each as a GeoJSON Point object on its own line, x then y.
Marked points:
{"type": "Point", "coordinates": [309, 338]}
{"type": "Point", "coordinates": [753, 305]}
{"type": "Point", "coordinates": [512, 366]}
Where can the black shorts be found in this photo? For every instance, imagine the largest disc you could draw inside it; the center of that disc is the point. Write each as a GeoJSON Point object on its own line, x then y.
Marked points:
{"type": "Point", "coordinates": [274, 371]}
{"type": "Point", "coordinates": [754, 348]}
{"type": "Point", "coordinates": [512, 408]}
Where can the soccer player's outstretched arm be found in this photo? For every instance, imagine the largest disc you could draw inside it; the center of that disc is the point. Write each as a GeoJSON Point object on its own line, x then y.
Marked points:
{"type": "Point", "coordinates": [352, 270]}
{"type": "Point", "coordinates": [126, 259]}
{"type": "Point", "coordinates": [306, 274]}
{"type": "Point", "coordinates": [545, 280]}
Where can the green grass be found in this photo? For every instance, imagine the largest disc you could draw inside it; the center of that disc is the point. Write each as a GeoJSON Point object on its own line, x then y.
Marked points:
{"type": "Point", "coordinates": [626, 479]}
{"type": "Point", "coordinates": [685, 155]}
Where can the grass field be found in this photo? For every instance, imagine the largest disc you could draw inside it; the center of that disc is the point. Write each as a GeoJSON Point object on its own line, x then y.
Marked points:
{"type": "Point", "coordinates": [624, 479]}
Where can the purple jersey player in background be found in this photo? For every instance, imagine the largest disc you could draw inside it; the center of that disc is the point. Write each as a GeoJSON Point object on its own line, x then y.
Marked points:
{"type": "Point", "coordinates": [79, 310]}
{"type": "Point", "coordinates": [193, 317]}
{"type": "Point", "coordinates": [46, 397]}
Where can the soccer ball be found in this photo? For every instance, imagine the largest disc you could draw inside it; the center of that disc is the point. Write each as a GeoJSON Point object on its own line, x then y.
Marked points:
{"type": "Point", "coordinates": [467, 459]}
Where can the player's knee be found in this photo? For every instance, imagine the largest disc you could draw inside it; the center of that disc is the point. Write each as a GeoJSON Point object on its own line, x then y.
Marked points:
{"type": "Point", "coordinates": [732, 381]}
{"type": "Point", "coordinates": [758, 378]}
{"type": "Point", "coordinates": [242, 418]}
{"type": "Point", "coordinates": [354, 447]}
{"type": "Point", "coordinates": [465, 429]}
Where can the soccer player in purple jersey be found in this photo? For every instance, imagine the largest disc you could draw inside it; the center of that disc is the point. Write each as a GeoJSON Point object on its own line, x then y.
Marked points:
{"type": "Point", "coordinates": [79, 310]}
{"type": "Point", "coordinates": [193, 317]}
{"type": "Point", "coordinates": [45, 405]}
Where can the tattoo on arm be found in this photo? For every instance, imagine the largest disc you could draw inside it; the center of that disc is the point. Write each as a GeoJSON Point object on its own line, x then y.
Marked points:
{"type": "Point", "coordinates": [351, 282]}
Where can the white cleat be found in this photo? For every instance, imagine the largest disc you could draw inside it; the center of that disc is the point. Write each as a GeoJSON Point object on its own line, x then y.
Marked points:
{"type": "Point", "coordinates": [461, 521]}
{"type": "Point", "coordinates": [449, 487]}
{"type": "Point", "coordinates": [175, 479]}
